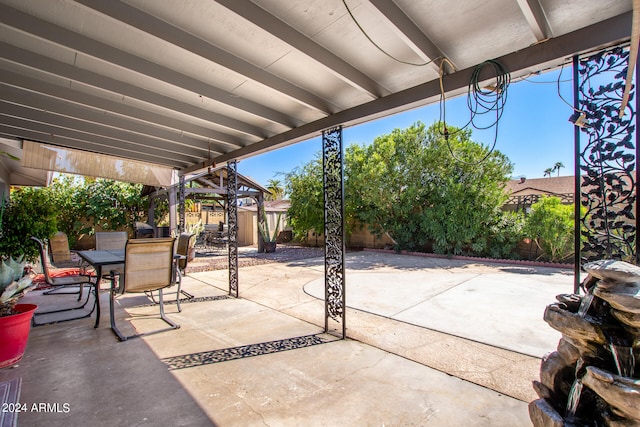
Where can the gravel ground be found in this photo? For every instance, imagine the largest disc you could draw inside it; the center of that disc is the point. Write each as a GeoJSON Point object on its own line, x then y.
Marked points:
{"type": "Point", "coordinates": [218, 260]}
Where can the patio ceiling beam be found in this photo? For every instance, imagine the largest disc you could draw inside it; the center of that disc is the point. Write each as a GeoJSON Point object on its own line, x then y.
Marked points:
{"type": "Point", "coordinates": [108, 143]}
{"type": "Point", "coordinates": [331, 62]}
{"type": "Point", "coordinates": [34, 106]}
{"type": "Point", "coordinates": [536, 18]}
{"type": "Point", "coordinates": [74, 41]}
{"type": "Point", "coordinates": [126, 90]}
{"type": "Point", "coordinates": [69, 139]}
{"type": "Point", "coordinates": [178, 37]}
{"type": "Point", "coordinates": [94, 123]}
{"type": "Point", "coordinates": [162, 122]}
{"type": "Point", "coordinates": [539, 56]}
{"type": "Point", "coordinates": [413, 36]}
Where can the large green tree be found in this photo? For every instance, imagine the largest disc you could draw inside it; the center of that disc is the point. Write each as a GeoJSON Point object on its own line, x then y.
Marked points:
{"type": "Point", "coordinates": [112, 204]}
{"type": "Point", "coordinates": [418, 189]}
{"type": "Point", "coordinates": [424, 190]}
{"type": "Point", "coordinates": [304, 187]}
{"type": "Point", "coordinates": [70, 208]}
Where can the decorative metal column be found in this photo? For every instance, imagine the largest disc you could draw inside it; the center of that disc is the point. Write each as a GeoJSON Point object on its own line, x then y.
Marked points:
{"type": "Point", "coordinates": [608, 222]}
{"type": "Point", "coordinates": [181, 207]}
{"type": "Point", "coordinates": [232, 211]}
{"type": "Point", "coordinates": [334, 242]}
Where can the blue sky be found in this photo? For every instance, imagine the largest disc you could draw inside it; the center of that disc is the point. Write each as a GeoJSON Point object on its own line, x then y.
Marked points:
{"type": "Point", "coordinates": [534, 131]}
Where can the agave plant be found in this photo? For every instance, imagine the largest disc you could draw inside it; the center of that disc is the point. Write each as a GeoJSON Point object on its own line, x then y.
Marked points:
{"type": "Point", "coordinates": [264, 228]}
{"type": "Point", "coordinates": [12, 293]}
{"type": "Point", "coordinates": [10, 270]}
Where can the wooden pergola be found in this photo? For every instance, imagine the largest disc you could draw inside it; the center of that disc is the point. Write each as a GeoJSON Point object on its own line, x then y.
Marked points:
{"type": "Point", "coordinates": [212, 186]}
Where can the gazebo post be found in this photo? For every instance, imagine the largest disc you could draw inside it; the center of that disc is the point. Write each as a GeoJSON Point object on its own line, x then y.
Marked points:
{"type": "Point", "coordinates": [232, 212]}
{"type": "Point", "coordinates": [151, 211]}
{"type": "Point", "coordinates": [181, 207]}
{"type": "Point", "coordinates": [172, 209]}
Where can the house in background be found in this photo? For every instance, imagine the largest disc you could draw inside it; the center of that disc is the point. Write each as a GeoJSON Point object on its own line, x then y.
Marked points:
{"type": "Point", "coordinates": [524, 192]}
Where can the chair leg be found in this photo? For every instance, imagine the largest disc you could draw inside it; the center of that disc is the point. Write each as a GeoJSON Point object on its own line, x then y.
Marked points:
{"type": "Point", "coordinates": [179, 283]}
{"type": "Point", "coordinates": [55, 291]}
{"type": "Point", "coordinates": [114, 328]}
{"type": "Point", "coordinates": [162, 315]}
{"type": "Point", "coordinates": [67, 309]}
{"type": "Point", "coordinates": [95, 304]}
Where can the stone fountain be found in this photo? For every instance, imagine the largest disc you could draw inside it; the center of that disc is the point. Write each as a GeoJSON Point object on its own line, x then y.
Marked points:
{"type": "Point", "coordinates": [593, 378]}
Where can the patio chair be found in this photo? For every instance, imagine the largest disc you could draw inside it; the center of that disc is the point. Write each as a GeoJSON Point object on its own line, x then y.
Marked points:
{"type": "Point", "coordinates": [112, 241]}
{"type": "Point", "coordinates": [60, 256]}
{"type": "Point", "coordinates": [59, 282]}
{"type": "Point", "coordinates": [148, 266]}
{"type": "Point", "coordinates": [181, 259]}
{"type": "Point", "coordinates": [60, 252]}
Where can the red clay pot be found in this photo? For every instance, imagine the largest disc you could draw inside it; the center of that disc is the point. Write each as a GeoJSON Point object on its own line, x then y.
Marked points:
{"type": "Point", "coordinates": [14, 333]}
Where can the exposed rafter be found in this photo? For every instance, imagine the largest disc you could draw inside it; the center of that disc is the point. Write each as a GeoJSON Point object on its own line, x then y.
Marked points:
{"type": "Point", "coordinates": [18, 128]}
{"type": "Point", "coordinates": [550, 53]}
{"type": "Point", "coordinates": [174, 35]}
{"type": "Point", "coordinates": [535, 16]}
{"type": "Point", "coordinates": [53, 113]}
{"type": "Point", "coordinates": [46, 30]}
{"type": "Point", "coordinates": [409, 32]}
{"type": "Point", "coordinates": [116, 114]}
{"type": "Point", "coordinates": [304, 44]}
{"type": "Point", "coordinates": [210, 81]}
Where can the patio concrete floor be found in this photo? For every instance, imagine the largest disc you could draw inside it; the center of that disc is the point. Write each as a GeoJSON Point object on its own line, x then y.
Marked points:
{"type": "Point", "coordinates": [430, 342]}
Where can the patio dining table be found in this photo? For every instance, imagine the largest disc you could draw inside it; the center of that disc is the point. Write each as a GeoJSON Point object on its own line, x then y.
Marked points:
{"type": "Point", "coordinates": [99, 259]}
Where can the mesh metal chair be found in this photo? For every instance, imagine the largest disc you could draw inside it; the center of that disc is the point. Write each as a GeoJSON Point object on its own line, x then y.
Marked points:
{"type": "Point", "coordinates": [60, 282]}
{"type": "Point", "coordinates": [60, 256]}
{"type": "Point", "coordinates": [149, 266]}
{"type": "Point", "coordinates": [181, 257]}
{"type": "Point", "coordinates": [60, 252]}
{"type": "Point", "coordinates": [112, 241]}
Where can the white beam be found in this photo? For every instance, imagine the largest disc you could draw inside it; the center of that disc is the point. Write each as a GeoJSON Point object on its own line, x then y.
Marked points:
{"type": "Point", "coordinates": [536, 18]}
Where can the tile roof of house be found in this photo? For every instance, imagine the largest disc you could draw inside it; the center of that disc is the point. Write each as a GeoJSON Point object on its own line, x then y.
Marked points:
{"type": "Point", "coordinates": [551, 185]}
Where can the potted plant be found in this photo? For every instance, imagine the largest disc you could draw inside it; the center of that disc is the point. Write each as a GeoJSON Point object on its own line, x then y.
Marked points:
{"type": "Point", "coordinates": [267, 237]}
{"type": "Point", "coordinates": [15, 321]}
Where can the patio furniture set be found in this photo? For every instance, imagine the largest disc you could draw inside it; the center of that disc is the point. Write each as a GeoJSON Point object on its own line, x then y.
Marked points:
{"type": "Point", "coordinates": [146, 265]}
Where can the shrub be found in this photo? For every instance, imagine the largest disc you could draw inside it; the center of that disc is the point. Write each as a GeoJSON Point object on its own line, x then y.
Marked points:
{"type": "Point", "coordinates": [31, 212]}
{"type": "Point", "coordinates": [551, 226]}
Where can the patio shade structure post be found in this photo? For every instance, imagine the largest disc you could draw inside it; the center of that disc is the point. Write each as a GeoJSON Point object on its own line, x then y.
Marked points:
{"type": "Point", "coordinates": [576, 188]}
{"type": "Point", "coordinates": [608, 186]}
{"type": "Point", "coordinates": [334, 242]}
{"type": "Point", "coordinates": [232, 211]}
{"type": "Point", "coordinates": [181, 207]}
{"type": "Point", "coordinates": [172, 209]}
{"type": "Point", "coordinates": [151, 212]}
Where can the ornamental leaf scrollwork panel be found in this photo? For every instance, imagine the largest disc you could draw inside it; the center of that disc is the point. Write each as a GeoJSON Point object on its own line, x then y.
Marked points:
{"type": "Point", "coordinates": [607, 159]}
{"type": "Point", "coordinates": [334, 226]}
{"type": "Point", "coordinates": [232, 211]}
